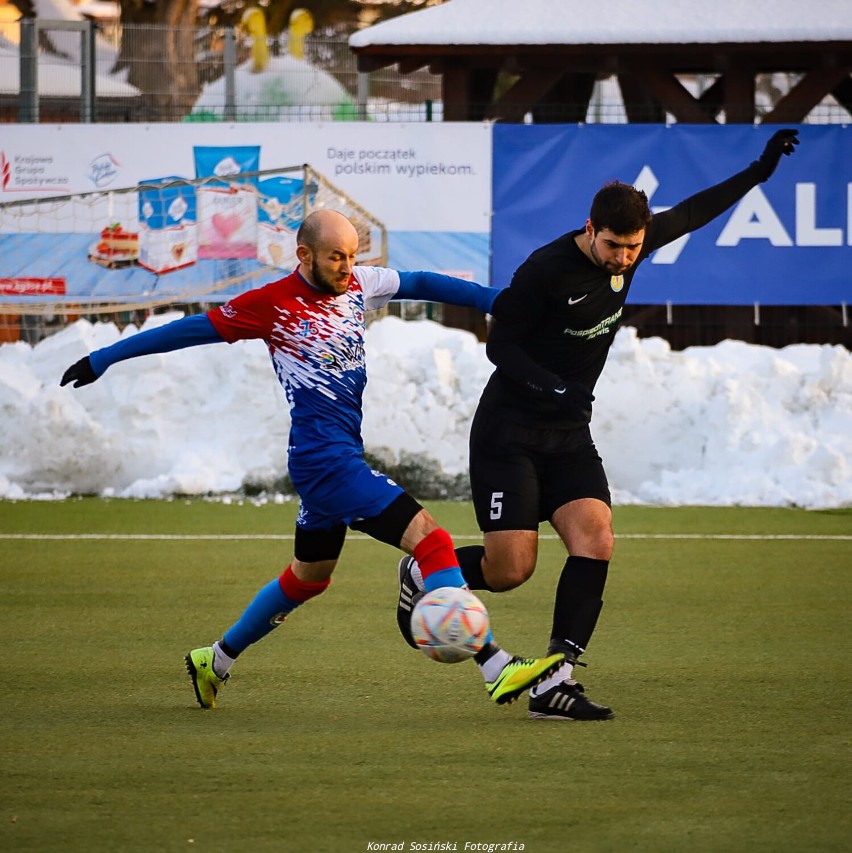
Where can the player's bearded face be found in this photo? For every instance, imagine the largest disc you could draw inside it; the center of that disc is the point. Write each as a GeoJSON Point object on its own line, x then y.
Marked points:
{"type": "Point", "coordinates": [330, 277]}
{"type": "Point", "coordinates": [615, 253]}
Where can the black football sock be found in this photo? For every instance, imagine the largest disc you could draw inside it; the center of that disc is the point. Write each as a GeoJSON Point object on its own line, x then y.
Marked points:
{"type": "Point", "coordinates": [486, 652]}
{"type": "Point", "coordinates": [231, 653]}
{"type": "Point", "coordinates": [578, 603]}
{"type": "Point", "coordinates": [470, 563]}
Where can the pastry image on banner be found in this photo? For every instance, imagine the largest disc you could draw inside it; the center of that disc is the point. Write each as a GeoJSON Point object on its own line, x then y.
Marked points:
{"type": "Point", "coordinates": [227, 208]}
{"type": "Point", "coordinates": [168, 233]}
{"type": "Point", "coordinates": [116, 247]}
{"type": "Point", "coordinates": [280, 212]}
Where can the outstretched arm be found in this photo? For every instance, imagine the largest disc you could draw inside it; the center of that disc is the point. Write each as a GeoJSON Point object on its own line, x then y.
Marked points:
{"type": "Point", "coordinates": [186, 332]}
{"type": "Point", "coordinates": [435, 287]}
{"type": "Point", "coordinates": [697, 210]}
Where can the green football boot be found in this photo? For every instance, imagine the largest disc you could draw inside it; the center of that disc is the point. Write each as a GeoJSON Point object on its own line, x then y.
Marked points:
{"type": "Point", "coordinates": [519, 675]}
{"type": "Point", "coordinates": [205, 682]}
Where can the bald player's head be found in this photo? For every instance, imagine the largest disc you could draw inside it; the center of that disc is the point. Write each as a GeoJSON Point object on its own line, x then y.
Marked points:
{"type": "Point", "coordinates": [326, 246]}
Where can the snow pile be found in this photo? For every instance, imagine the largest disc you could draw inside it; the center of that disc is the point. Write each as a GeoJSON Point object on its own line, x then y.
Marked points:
{"type": "Point", "coordinates": [732, 424]}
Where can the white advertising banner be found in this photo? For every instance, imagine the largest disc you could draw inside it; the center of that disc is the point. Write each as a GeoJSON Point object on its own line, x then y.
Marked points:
{"type": "Point", "coordinates": [413, 177]}
{"type": "Point", "coordinates": [429, 184]}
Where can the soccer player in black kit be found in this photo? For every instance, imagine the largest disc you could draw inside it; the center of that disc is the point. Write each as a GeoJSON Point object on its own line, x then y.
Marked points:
{"type": "Point", "coordinates": [532, 457]}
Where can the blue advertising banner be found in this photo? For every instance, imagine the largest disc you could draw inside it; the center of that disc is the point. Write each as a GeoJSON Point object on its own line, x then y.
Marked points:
{"type": "Point", "coordinates": [787, 242]}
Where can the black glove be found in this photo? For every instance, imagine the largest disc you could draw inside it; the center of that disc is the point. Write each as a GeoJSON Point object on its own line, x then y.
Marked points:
{"type": "Point", "coordinates": [80, 373]}
{"type": "Point", "coordinates": [781, 142]}
{"type": "Point", "coordinates": [574, 399]}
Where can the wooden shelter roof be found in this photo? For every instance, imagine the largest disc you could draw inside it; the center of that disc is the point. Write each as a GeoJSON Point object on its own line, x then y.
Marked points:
{"type": "Point", "coordinates": [501, 59]}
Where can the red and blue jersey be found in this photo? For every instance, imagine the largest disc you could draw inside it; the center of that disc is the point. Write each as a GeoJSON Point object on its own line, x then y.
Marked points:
{"type": "Point", "coordinates": [316, 343]}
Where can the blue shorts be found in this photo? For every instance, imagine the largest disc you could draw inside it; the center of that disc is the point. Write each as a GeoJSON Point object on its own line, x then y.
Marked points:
{"type": "Point", "coordinates": [340, 490]}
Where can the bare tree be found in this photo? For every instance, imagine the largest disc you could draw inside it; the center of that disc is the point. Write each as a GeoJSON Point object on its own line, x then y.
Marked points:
{"type": "Point", "coordinates": [161, 40]}
{"type": "Point", "coordinates": [158, 49]}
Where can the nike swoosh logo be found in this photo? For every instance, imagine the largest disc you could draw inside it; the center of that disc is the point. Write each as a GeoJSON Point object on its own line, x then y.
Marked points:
{"type": "Point", "coordinates": [573, 301]}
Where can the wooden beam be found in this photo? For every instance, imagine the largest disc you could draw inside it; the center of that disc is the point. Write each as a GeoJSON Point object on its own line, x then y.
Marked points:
{"type": "Point", "coordinates": [481, 92]}
{"type": "Point", "coordinates": [407, 66]}
{"type": "Point", "coordinates": [527, 91]}
{"type": "Point", "coordinates": [713, 97]}
{"type": "Point", "coordinates": [695, 58]}
{"type": "Point", "coordinates": [374, 63]}
{"type": "Point", "coordinates": [672, 95]}
{"type": "Point", "coordinates": [567, 101]}
{"type": "Point", "coordinates": [805, 95]}
{"type": "Point", "coordinates": [455, 87]}
{"type": "Point", "coordinates": [843, 92]}
{"type": "Point", "coordinates": [738, 103]}
{"type": "Point", "coordinates": [640, 106]}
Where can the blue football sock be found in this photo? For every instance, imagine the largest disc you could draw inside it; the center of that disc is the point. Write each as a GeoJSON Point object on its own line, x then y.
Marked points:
{"type": "Point", "coordinates": [446, 577]}
{"type": "Point", "coordinates": [265, 613]}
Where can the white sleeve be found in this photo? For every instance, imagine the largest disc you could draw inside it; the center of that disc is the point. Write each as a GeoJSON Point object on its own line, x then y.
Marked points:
{"type": "Point", "coordinates": [378, 284]}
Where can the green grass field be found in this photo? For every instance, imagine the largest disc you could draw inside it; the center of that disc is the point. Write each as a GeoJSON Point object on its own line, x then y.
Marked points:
{"type": "Point", "coordinates": [725, 659]}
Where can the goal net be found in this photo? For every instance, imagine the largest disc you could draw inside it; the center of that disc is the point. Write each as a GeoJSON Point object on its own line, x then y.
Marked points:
{"type": "Point", "coordinates": [167, 243]}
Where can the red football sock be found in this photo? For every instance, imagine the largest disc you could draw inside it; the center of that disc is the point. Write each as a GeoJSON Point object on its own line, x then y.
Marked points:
{"type": "Point", "coordinates": [298, 590]}
{"type": "Point", "coordinates": [435, 552]}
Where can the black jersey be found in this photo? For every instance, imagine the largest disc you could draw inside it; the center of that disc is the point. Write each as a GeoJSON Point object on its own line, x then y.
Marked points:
{"type": "Point", "coordinates": [557, 319]}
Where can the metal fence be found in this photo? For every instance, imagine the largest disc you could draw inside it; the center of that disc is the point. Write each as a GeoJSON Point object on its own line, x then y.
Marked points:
{"type": "Point", "coordinates": [64, 71]}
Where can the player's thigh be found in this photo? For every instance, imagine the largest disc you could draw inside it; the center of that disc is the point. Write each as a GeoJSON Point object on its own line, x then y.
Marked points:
{"type": "Point", "coordinates": [316, 548]}
{"type": "Point", "coordinates": [510, 558]}
{"type": "Point", "coordinates": [576, 498]}
{"type": "Point", "coordinates": [572, 471]}
{"type": "Point", "coordinates": [504, 478]}
{"type": "Point", "coordinates": [505, 489]}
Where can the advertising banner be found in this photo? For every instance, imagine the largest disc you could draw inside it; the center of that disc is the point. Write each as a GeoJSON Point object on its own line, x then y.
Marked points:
{"type": "Point", "coordinates": [428, 184]}
{"type": "Point", "coordinates": [788, 242]}
{"type": "Point", "coordinates": [433, 186]}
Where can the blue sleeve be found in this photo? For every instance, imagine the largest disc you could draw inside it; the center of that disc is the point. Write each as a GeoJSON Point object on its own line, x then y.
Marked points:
{"type": "Point", "coordinates": [186, 332]}
{"type": "Point", "coordinates": [434, 287]}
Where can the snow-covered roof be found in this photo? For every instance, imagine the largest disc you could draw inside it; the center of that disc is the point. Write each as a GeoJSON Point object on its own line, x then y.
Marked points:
{"type": "Point", "coordinates": [58, 79]}
{"type": "Point", "coordinates": [578, 22]}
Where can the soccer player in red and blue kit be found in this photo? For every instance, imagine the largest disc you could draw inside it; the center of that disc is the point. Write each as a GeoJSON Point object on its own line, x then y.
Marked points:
{"type": "Point", "coordinates": [313, 322]}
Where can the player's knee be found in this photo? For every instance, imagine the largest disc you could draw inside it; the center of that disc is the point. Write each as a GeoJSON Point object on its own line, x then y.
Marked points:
{"type": "Point", "coordinates": [593, 540]}
{"type": "Point", "coordinates": [598, 546]}
{"type": "Point", "coordinates": [604, 544]}
{"type": "Point", "coordinates": [503, 574]}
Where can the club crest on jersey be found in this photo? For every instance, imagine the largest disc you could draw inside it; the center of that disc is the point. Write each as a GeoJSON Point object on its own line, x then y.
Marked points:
{"type": "Point", "coordinates": [616, 282]}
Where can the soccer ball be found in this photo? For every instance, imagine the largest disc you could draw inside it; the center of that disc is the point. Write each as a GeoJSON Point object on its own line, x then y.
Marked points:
{"type": "Point", "coordinates": [449, 624]}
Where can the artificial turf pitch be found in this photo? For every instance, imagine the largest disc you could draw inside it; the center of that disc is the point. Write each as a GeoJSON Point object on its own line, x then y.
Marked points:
{"type": "Point", "coordinates": [725, 659]}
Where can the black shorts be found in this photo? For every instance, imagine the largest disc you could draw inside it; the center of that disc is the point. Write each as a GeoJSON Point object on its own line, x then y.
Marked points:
{"type": "Point", "coordinates": [521, 474]}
